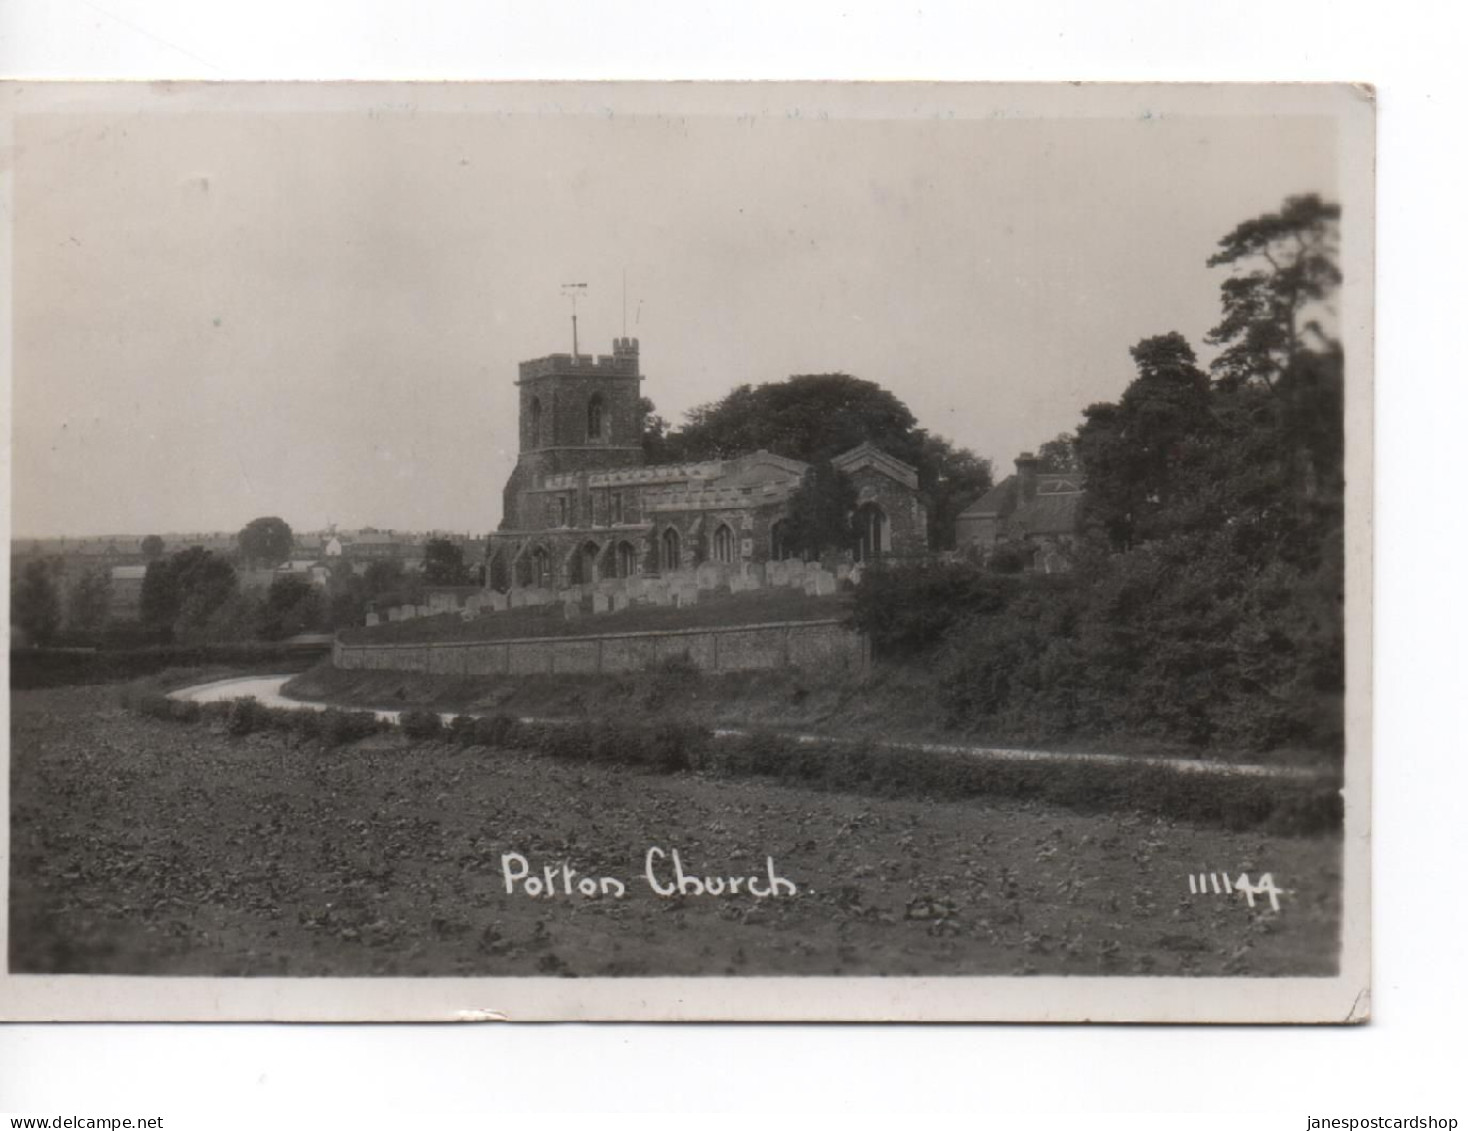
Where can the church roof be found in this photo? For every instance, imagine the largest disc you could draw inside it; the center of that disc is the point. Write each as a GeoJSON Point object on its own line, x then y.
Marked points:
{"type": "Point", "coordinates": [867, 454]}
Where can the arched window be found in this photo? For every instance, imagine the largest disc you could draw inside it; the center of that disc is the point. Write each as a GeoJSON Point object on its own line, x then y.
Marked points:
{"type": "Point", "coordinates": [594, 416]}
{"type": "Point", "coordinates": [534, 431]}
{"type": "Point", "coordinates": [780, 541]}
{"type": "Point", "coordinates": [498, 573]}
{"type": "Point", "coordinates": [873, 533]}
{"type": "Point", "coordinates": [724, 544]}
{"type": "Point", "coordinates": [671, 557]}
{"type": "Point", "coordinates": [626, 560]}
{"type": "Point", "coordinates": [583, 564]}
{"type": "Point", "coordinates": [535, 569]}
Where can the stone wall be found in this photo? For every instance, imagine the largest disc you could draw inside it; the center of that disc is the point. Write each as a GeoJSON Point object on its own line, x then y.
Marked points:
{"type": "Point", "coordinates": [817, 645]}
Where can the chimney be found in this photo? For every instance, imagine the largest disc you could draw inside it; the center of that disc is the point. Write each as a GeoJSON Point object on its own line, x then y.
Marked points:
{"type": "Point", "coordinates": [1027, 467]}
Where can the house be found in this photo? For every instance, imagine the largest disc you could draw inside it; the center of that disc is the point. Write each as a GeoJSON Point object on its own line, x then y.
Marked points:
{"type": "Point", "coordinates": [581, 506]}
{"type": "Point", "coordinates": [1035, 512]}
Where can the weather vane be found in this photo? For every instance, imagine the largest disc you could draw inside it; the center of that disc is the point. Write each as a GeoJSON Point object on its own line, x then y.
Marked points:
{"type": "Point", "coordinates": [574, 291]}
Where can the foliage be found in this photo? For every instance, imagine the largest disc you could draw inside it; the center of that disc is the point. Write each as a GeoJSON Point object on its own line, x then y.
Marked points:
{"type": "Point", "coordinates": [292, 605]}
{"type": "Point", "coordinates": [1275, 302]}
{"type": "Point", "coordinates": [152, 547]}
{"type": "Point", "coordinates": [266, 541]}
{"type": "Point", "coordinates": [1060, 455]}
{"type": "Point", "coordinates": [949, 479]}
{"type": "Point", "coordinates": [443, 563]}
{"type": "Point", "coordinates": [34, 607]}
{"type": "Point", "coordinates": [819, 514]}
{"type": "Point", "coordinates": [87, 602]}
{"type": "Point", "coordinates": [814, 418]}
{"type": "Point", "coordinates": [1205, 603]}
{"type": "Point", "coordinates": [421, 724]}
{"type": "Point", "coordinates": [1142, 454]}
{"type": "Point", "coordinates": [183, 591]}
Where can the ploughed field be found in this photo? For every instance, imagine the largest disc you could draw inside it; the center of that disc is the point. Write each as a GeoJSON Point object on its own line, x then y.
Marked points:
{"type": "Point", "coordinates": [142, 846]}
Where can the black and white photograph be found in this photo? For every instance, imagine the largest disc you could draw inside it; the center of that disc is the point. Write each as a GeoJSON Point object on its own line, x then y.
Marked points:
{"type": "Point", "coordinates": [684, 551]}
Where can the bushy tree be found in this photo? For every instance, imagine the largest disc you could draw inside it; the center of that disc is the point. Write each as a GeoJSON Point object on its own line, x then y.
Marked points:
{"type": "Point", "coordinates": [292, 605]}
{"type": "Point", "coordinates": [814, 418]}
{"type": "Point", "coordinates": [87, 602]}
{"type": "Point", "coordinates": [819, 514]}
{"type": "Point", "coordinates": [1142, 453]}
{"type": "Point", "coordinates": [152, 547]}
{"type": "Point", "coordinates": [266, 541]}
{"type": "Point", "coordinates": [34, 607]}
{"type": "Point", "coordinates": [1060, 456]}
{"type": "Point", "coordinates": [181, 592]}
{"type": "Point", "coordinates": [443, 563]}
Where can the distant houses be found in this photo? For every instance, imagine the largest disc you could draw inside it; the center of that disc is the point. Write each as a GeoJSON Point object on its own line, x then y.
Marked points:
{"type": "Point", "coordinates": [1033, 513]}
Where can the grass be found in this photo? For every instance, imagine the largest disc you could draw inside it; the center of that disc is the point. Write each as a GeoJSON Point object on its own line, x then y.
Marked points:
{"type": "Point", "coordinates": [714, 610]}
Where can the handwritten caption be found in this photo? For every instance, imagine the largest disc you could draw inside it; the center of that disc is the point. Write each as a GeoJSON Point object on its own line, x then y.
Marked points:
{"type": "Point", "coordinates": [662, 871]}
{"type": "Point", "coordinates": [1219, 883]}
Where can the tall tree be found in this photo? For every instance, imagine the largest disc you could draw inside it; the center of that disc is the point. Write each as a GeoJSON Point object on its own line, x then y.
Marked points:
{"type": "Point", "coordinates": [266, 541]}
{"type": "Point", "coordinates": [181, 592]}
{"type": "Point", "coordinates": [443, 563]}
{"type": "Point", "coordinates": [87, 602]}
{"type": "Point", "coordinates": [820, 511]}
{"type": "Point", "coordinates": [34, 607]}
{"type": "Point", "coordinates": [1142, 454]}
{"type": "Point", "coordinates": [152, 547]}
{"type": "Point", "coordinates": [1059, 456]}
{"type": "Point", "coordinates": [1275, 304]}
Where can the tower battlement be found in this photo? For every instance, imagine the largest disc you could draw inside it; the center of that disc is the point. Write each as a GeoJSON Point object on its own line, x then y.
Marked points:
{"type": "Point", "coordinates": [621, 362]}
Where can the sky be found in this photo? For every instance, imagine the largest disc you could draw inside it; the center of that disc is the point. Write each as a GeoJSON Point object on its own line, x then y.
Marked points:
{"type": "Point", "coordinates": [224, 314]}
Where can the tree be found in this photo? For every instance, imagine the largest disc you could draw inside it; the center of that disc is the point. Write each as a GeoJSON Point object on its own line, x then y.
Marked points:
{"type": "Point", "coordinates": [266, 541]}
{"type": "Point", "coordinates": [1272, 310]}
{"type": "Point", "coordinates": [87, 602]}
{"type": "Point", "coordinates": [814, 418]}
{"type": "Point", "coordinates": [34, 608]}
{"type": "Point", "coordinates": [655, 445]}
{"type": "Point", "coordinates": [1140, 454]}
{"type": "Point", "coordinates": [152, 547]}
{"type": "Point", "coordinates": [820, 509]}
{"type": "Point", "coordinates": [1060, 456]}
{"type": "Point", "coordinates": [292, 605]}
{"type": "Point", "coordinates": [181, 592]}
{"type": "Point", "coordinates": [949, 479]}
{"type": "Point", "coordinates": [443, 563]}
{"type": "Point", "coordinates": [809, 417]}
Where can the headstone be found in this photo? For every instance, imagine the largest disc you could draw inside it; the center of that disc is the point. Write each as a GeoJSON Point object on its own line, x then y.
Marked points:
{"type": "Point", "coordinates": [602, 602]}
{"type": "Point", "coordinates": [709, 576]}
{"type": "Point", "coordinates": [825, 583]}
{"type": "Point", "coordinates": [685, 595]}
{"type": "Point", "coordinates": [572, 609]}
{"type": "Point", "coordinates": [855, 576]}
{"type": "Point", "coordinates": [619, 602]}
{"type": "Point", "coordinates": [408, 612]}
{"type": "Point", "coordinates": [843, 571]}
{"type": "Point", "coordinates": [469, 613]}
{"type": "Point", "coordinates": [658, 593]}
{"type": "Point", "coordinates": [498, 602]}
{"type": "Point", "coordinates": [372, 620]}
{"type": "Point", "coordinates": [754, 575]}
{"type": "Point", "coordinates": [426, 610]}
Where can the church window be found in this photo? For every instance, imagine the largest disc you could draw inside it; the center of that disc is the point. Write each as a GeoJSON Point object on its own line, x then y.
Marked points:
{"type": "Point", "coordinates": [724, 544]}
{"type": "Point", "coordinates": [616, 506]}
{"type": "Point", "coordinates": [594, 415]}
{"type": "Point", "coordinates": [535, 422]}
{"type": "Point", "coordinates": [563, 510]}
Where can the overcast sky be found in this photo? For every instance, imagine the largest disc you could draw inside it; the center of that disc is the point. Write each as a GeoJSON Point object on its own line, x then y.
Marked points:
{"type": "Point", "coordinates": [318, 316]}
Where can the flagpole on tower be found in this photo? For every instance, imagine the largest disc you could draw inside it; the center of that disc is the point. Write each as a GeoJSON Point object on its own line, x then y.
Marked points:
{"type": "Point", "coordinates": [574, 291]}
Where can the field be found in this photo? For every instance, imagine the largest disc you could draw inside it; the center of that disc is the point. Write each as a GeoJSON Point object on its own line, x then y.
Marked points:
{"type": "Point", "coordinates": [714, 610]}
{"type": "Point", "coordinates": [142, 846]}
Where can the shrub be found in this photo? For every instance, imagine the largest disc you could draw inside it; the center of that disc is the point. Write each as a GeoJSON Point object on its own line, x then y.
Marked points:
{"type": "Point", "coordinates": [184, 710]}
{"type": "Point", "coordinates": [461, 730]}
{"type": "Point", "coordinates": [338, 728]}
{"type": "Point", "coordinates": [498, 730]}
{"type": "Point", "coordinates": [418, 723]}
{"type": "Point", "coordinates": [245, 715]}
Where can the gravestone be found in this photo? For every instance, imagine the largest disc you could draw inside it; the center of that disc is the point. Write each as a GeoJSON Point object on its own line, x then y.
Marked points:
{"type": "Point", "coordinates": [497, 602]}
{"type": "Point", "coordinates": [602, 602]}
{"type": "Point", "coordinates": [685, 595]}
{"type": "Point", "coordinates": [372, 620]}
{"type": "Point", "coordinates": [709, 576]}
{"type": "Point", "coordinates": [619, 602]}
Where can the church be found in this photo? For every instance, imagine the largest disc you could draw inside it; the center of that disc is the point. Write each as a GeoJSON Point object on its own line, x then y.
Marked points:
{"type": "Point", "coordinates": [583, 507]}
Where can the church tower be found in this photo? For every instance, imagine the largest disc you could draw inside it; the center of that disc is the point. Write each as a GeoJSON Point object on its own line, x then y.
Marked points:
{"type": "Point", "coordinates": [577, 413]}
